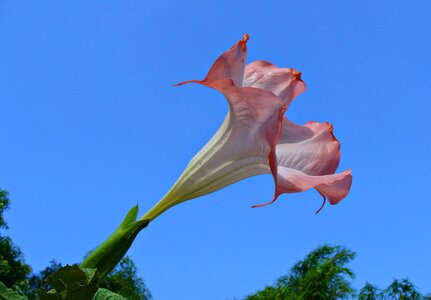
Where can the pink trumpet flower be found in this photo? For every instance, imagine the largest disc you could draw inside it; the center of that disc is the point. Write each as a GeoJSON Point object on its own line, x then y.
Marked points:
{"type": "Point", "coordinates": [255, 137]}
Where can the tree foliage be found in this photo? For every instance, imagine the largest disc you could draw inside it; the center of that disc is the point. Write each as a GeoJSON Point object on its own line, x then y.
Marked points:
{"type": "Point", "coordinates": [397, 290]}
{"type": "Point", "coordinates": [4, 205]}
{"type": "Point", "coordinates": [13, 270]}
{"type": "Point", "coordinates": [370, 292]}
{"type": "Point", "coordinates": [402, 290]}
{"type": "Point", "coordinates": [321, 275]}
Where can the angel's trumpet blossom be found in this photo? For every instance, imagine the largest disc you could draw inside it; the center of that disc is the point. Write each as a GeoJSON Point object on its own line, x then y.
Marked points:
{"type": "Point", "coordinates": [255, 137]}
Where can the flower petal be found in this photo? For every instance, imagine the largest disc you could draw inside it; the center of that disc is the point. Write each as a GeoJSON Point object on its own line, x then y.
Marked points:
{"type": "Point", "coordinates": [244, 145]}
{"type": "Point", "coordinates": [311, 148]}
{"type": "Point", "coordinates": [307, 158]}
{"type": "Point", "coordinates": [337, 190]}
{"type": "Point", "coordinates": [229, 65]}
{"type": "Point", "coordinates": [248, 136]}
{"type": "Point", "coordinates": [333, 187]}
{"type": "Point", "coordinates": [255, 138]}
{"type": "Point", "coordinates": [285, 83]}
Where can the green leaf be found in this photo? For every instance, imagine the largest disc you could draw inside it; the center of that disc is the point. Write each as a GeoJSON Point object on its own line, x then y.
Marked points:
{"type": "Point", "coordinates": [50, 295]}
{"type": "Point", "coordinates": [70, 283]}
{"type": "Point", "coordinates": [10, 294]}
{"type": "Point", "coordinates": [104, 294]}
{"type": "Point", "coordinates": [131, 216]}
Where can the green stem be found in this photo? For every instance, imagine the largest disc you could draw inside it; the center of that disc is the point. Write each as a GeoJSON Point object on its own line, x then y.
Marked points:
{"type": "Point", "coordinates": [110, 252]}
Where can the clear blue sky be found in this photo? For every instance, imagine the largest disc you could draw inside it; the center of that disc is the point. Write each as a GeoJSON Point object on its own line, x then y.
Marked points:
{"type": "Point", "coordinates": [90, 126]}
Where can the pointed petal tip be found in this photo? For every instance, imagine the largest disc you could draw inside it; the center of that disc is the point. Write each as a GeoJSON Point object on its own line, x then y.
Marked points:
{"type": "Point", "coordinates": [243, 42]}
{"type": "Point", "coordinates": [296, 75]}
{"type": "Point", "coordinates": [267, 203]}
{"type": "Point", "coordinates": [245, 37]}
{"type": "Point", "coordinates": [186, 82]}
{"type": "Point", "coordinates": [261, 205]}
{"type": "Point", "coordinates": [330, 126]}
{"type": "Point", "coordinates": [331, 130]}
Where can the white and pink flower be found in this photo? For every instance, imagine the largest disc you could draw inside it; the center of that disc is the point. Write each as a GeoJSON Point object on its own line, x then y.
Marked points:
{"type": "Point", "coordinates": [256, 138]}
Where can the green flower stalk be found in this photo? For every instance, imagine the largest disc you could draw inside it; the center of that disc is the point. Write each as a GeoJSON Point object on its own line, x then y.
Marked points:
{"type": "Point", "coordinates": [110, 252]}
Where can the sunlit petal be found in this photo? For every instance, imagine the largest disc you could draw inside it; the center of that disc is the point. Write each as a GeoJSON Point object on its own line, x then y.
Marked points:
{"type": "Point", "coordinates": [307, 158]}
{"type": "Point", "coordinates": [285, 83]}
{"type": "Point", "coordinates": [244, 146]}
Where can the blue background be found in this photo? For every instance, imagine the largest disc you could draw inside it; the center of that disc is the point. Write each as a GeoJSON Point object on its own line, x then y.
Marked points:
{"type": "Point", "coordinates": [90, 126]}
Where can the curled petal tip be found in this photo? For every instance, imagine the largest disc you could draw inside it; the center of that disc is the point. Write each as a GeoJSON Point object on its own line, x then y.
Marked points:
{"type": "Point", "coordinates": [261, 205]}
{"type": "Point", "coordinates": [296, 75]}
{"type": "Point", "coordinates": [265, 204]}
{"type": "Point", "coordinates": [330, 128]}
{"type": "Point", "coordinates": [245, 38]}
{"type": "Point", "coordinates": [185, 82]}
{"type": "Point", "coordinates": [323, 204]}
